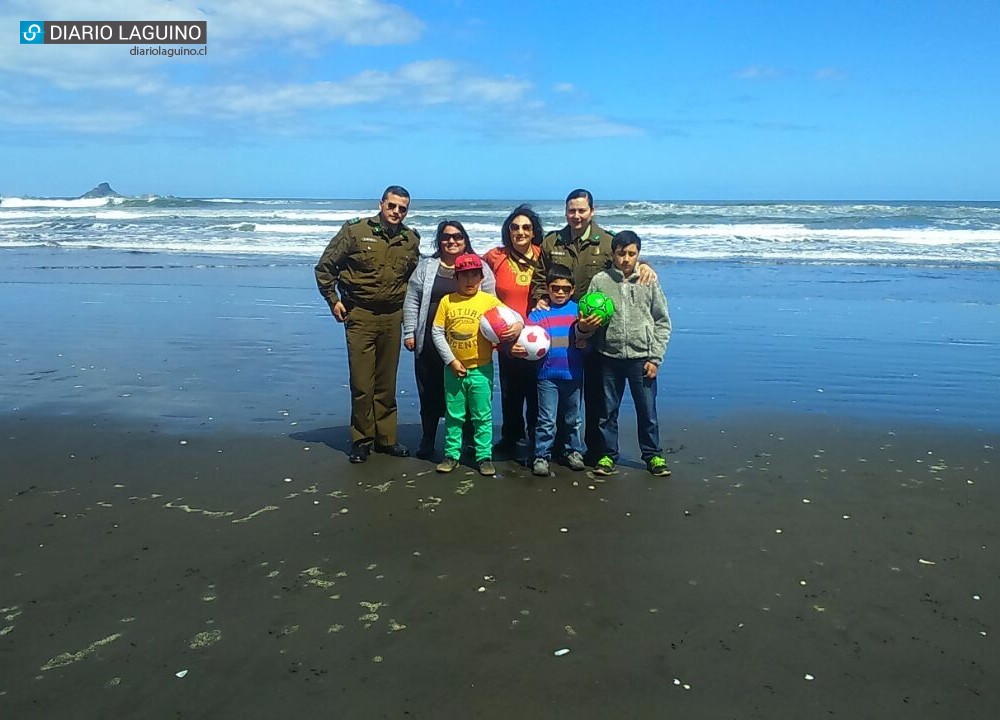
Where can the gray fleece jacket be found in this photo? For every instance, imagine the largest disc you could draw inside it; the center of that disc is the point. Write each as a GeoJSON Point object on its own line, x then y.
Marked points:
{"type": "Point", "coordinates": [417, 303]}
{"type": "Point", "coordinates": [640, 327]}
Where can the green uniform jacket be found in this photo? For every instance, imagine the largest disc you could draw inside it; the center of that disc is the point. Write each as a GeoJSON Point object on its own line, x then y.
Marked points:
{"type": "Point", "coordinates": [585, 258]}
{"type": "Point", "coordinates": [365, 267]}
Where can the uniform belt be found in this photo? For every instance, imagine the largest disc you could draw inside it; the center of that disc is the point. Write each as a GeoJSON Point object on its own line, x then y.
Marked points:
{"type": "Point", "coordinates": [375, 306]}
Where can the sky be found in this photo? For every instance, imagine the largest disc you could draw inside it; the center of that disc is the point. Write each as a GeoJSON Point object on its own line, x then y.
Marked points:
{"type": "Point", "coordinates": [463, 99]}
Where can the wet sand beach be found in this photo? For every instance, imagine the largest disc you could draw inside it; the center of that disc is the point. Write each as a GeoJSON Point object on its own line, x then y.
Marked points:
{"type": "Point", "coordinates": [181, 535]}
{"type": "Point", "coordinates": [222, 342]}
{"type": "Point", "coordinates": [789, 568]}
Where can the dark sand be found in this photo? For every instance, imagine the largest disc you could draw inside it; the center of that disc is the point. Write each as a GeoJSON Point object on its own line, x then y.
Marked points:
{"type": "Point", "coordinates": [792, 567]}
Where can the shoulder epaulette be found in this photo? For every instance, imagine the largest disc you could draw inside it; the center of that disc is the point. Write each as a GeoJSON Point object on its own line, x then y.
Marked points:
{"type": "Point", "coordinates": [354, 221]}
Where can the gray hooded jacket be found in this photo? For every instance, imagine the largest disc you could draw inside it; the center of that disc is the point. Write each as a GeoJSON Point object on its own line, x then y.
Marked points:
{"type": "Point", "coordinates": [640, 328]}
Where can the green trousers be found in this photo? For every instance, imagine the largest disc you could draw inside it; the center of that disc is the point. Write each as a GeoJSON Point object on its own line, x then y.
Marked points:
{"type": "Point", "coordinates": [373, 341]}
{"type": "Point", "coordinates": [475, 390]}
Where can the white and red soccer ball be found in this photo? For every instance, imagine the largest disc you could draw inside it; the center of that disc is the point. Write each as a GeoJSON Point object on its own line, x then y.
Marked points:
{"type": "Point", "coordinates": [536, 341]}
{"type": "Point", "coordinates": [496, 321]}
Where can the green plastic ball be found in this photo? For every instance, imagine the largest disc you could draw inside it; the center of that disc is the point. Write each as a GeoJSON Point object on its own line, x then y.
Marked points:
{"type": "Point", "coordinates": [599, 304]}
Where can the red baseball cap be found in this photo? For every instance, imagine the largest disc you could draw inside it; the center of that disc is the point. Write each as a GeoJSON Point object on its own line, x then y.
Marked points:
{"type": "Point", "coordinates": [468, 261]}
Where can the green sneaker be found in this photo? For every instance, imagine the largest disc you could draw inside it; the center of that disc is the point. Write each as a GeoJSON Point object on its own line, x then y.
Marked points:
{"type": "Point", "coordinates": [447, 465]}
{"type": "Point", "coordinates": [486, 468]}
{"type": "Point", "coordinates": [605, 466]}
{"type": "Point", "coordinates": [657, 466]}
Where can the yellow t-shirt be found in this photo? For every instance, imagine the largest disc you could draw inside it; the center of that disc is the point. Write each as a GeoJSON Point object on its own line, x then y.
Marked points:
{"type": "Point", "coordinates": [459, 315]}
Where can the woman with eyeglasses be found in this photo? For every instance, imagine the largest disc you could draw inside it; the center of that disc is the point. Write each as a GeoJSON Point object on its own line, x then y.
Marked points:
{"type": "Point", "coordinates": [514, 264]}
{"type": "Point", "coordinates": [432, 280]}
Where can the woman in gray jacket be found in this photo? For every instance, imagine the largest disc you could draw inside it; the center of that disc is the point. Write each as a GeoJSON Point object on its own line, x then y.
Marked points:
{"type": "Point", "coordinates": [432, 280]}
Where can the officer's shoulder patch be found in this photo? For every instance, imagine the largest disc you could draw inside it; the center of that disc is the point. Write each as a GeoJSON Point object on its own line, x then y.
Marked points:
{"type": "Point", "coordinates": [612, 233]}
{"type": "Point", "coordinates": [416, 234]}
{"type": "Point", "coordinates": [354, 221]}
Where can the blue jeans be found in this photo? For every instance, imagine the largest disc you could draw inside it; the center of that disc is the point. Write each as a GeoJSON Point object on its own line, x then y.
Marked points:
{"type": "Point", "coordinates": [558, 405]}
{"type": "Point", "coordinates": [614, 374]}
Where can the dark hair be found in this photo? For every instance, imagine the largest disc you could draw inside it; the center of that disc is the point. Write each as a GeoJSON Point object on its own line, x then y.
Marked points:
{"type": "Point", "coordinates": [559, 272]}
{"type": "Point", "coordinates": [625, 237]}
{"type": "Point", "coordinates": [536, 224]}
{"type": "Point", "coordinates": [440, 229]}
{"type": "Point", "coordinates": [395, 190]}
{"type": "Point", "coordinates": [581, 193]}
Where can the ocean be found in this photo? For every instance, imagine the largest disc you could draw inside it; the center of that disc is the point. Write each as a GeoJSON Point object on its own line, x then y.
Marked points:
{"type": "Point", "coordinates": [941, 234]}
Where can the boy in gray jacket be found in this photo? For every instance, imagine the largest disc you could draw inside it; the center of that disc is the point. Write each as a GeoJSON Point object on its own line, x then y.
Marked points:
{"type": "Point", "coordinates": [631, 347]}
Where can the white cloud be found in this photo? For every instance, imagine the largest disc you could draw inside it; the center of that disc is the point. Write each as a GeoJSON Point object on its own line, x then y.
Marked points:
{"type": "Point", "coordinates": [236, 29]}
{"type": "Point", "coordinates": [91, 89]}
{"type": "Point", "coordinates": [780, 126]}
{"type": "Point", "coordinates": [760, 72]}
{"type": "Point", "coordinates": [829, 73]}
{"type": "Point", "coordinates": [432, 93]}
{"type": "Point", "coordinates": [572, 127]}
{"type": "Point", "coordinates": [431, 82]}
{"type": "Point", "coordinates": [355, 22]}
{"type": "Point", "coordinates": [27, 114]}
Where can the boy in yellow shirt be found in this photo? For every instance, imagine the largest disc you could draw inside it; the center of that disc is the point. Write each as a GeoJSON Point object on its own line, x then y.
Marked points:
{"type": "Point", "coordinates": [468, 357]}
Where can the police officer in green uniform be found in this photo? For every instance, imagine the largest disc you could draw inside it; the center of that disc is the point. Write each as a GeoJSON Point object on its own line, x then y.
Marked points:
{"type": "Point", "coordinates": [585, 248]}
{"type": "Point", "coordinates": [362, 276]}
{"type": "Point", "coordinates": [582, 246]}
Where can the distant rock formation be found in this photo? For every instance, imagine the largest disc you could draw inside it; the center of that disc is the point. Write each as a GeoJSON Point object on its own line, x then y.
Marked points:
{"type": "Point", "coordinates": [101, 191]}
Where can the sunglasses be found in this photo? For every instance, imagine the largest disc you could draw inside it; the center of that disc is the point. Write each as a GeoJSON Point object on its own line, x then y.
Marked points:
{"type": "Point", "coordinates": [561, 288]}
{"type": "Point", "coordinates": [456, 236]}
{"type": "Point", "coordinates": [403, 209]}
{"type": "Point", "coordinates": [514, 227]}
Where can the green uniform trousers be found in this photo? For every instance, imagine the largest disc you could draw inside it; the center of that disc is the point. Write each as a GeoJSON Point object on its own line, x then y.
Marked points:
{"type": "Point", "coordinates": [373, 341]}
{"type": "Point", "coordinates": [475, 390]}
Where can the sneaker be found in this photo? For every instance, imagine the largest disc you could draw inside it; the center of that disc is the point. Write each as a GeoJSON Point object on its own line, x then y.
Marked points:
{"type": "Point", "coordinates": [657, 466]}
{"type": "Point", "coordinates": [486, 468]}
{"type": "Point", "coordinates": [574, 461]}
{"type": "Point", "coordinates": [447, 465]}
{"type": "Point", "coordinates": [605, 466]}
{"type": "Point", "coordinates": [540, 467]}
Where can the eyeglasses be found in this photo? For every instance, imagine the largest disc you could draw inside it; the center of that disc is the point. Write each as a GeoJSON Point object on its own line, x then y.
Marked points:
{"type": "Point", "coordinates": [452, 237]}
{"type": "Point", "coordinates": [560, 288]}
{"type": "Point", "coordinates": [514, 227]}
{"type": "Point", "coordinates": [403, 209]}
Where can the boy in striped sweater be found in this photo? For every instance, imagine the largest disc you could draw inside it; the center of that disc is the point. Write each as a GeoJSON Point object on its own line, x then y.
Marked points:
{"type": "Point", "coordinates": [560, 377]}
